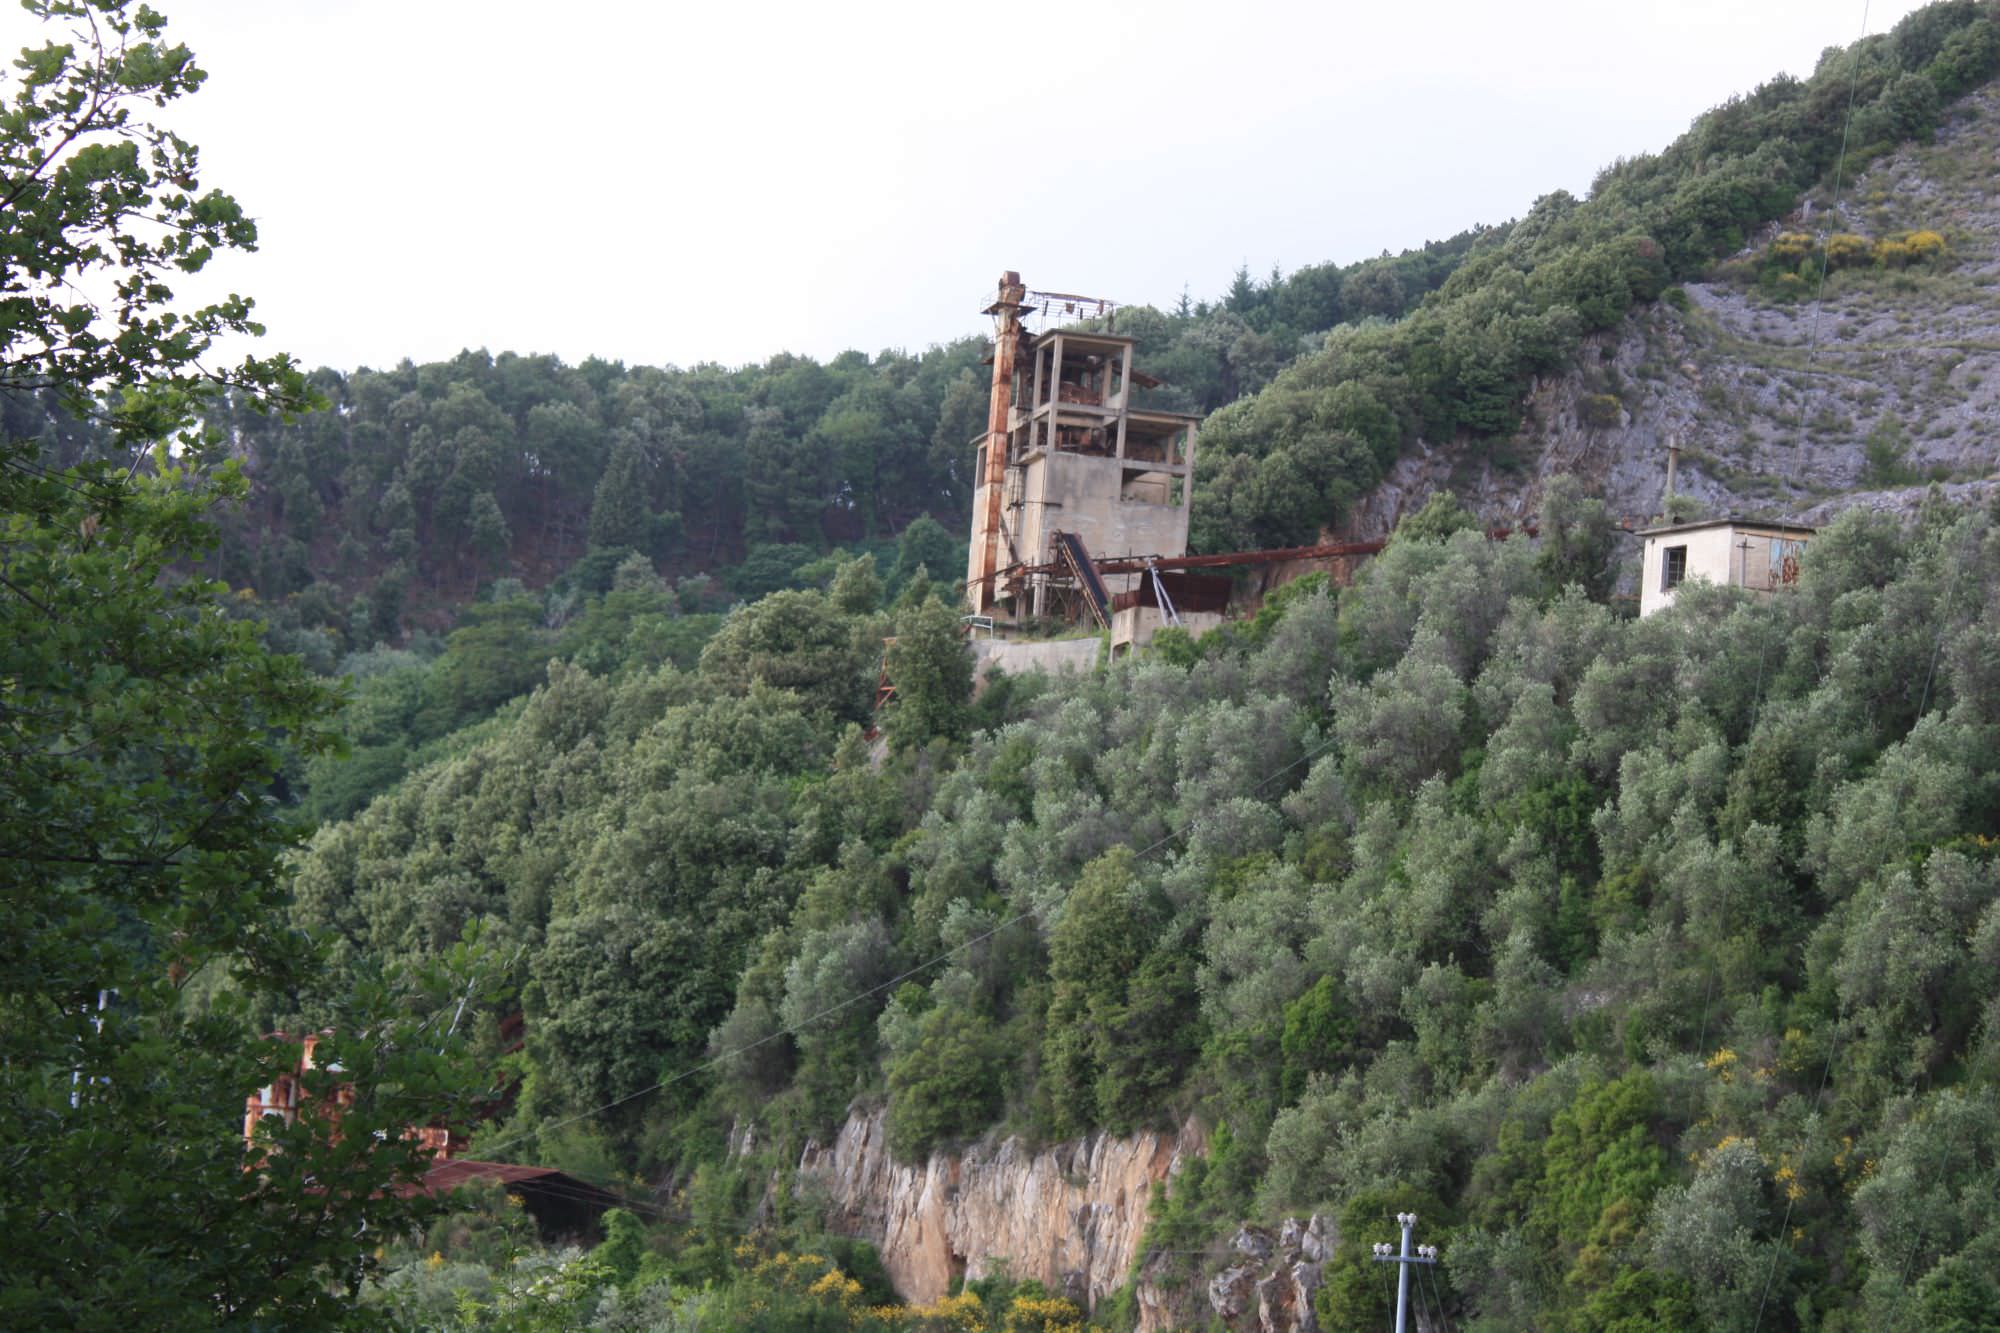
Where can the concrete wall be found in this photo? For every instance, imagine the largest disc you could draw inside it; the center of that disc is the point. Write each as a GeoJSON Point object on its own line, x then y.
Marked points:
{"type": "Point", "coordinates": [1081, 494]}
{"type": "Point", "coordinates": [1054, 656]}
{"type": "Point", "coordinates": [1708, 557]}
{"type": "Point", "coordinates": [1135, 626]}
{"type": "Point", "coordinates": [1737, 555]}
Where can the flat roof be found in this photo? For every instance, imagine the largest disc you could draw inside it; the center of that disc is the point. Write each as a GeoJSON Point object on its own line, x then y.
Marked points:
{"type": "Point", "coordinates": [1082, 335]}
{"type": "Point", "coordinates": [1735, 521]}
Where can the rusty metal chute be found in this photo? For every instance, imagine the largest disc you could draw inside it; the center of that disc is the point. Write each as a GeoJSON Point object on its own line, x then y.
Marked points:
{"type": "Point", "coordinates": [1074, 559]}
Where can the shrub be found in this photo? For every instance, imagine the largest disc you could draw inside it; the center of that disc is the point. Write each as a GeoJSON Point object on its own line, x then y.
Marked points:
{"type": "Point", "coordinates": [1790, 247]}
{"type": "Point", "coordinates": [1845, 250]}
{"type": "Point", "coordinates": [1925, 245]}
{"type": "Point", "coordinates": [1601, 410]}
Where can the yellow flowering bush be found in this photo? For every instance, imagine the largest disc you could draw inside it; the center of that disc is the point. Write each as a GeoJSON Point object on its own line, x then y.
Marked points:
{"type": "Point", "coordinates": [1042, 1314]}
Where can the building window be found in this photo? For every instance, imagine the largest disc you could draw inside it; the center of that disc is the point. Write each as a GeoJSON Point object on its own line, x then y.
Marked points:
{"type": "Point", "coordinates": [1673, 567]}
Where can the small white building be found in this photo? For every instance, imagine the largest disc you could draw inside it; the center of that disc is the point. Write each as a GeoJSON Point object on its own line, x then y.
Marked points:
{"type": "Point", "coordinates": [1738, 552]}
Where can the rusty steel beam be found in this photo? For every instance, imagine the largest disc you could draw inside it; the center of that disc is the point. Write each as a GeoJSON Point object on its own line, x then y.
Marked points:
{"type": "Point", "coordinates": [1227, 559]}
{"type": "Point", "coordinates": [1139, 564]}
{"type": "Point", "coordinates": [1006, 338]}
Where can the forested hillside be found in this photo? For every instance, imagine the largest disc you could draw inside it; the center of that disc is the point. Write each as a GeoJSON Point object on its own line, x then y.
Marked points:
{"type": "Point", "coordinates": [415, 487]}
{"type": "Point", "coordinates": [1653, 962]}
{"type": "Point", "coordinates": [421, 484]}
{"type": "Point", "coordinates": [1455, 374]}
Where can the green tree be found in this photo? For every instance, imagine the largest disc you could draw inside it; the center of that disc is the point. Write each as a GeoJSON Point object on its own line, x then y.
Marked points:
{"type": "Point", "coordinates": [1578, 540]}
{"type": "Point", "coordinates": [488, 530]}
{"type": "Point", "coordinates": [1318, 1031]}
{"type": "Point", "coordinates": [624, 1245]}
{"type": "Point", "coordinates": [497, 653]}
{"type": "Point", "coordinates": [793, 641]}
{"type": "Point", "coordinates": [619, 515]}
{"type": "Point", "coordinates": [930, 665]}
{"type": "Point", "coordinates": [1121, 1012]}
{"type": "Point", "coordinates": [770, 567]}
{"type": "Point", "coordinates": [927, 546]}
{"type": "Point", "coordinates": [90, 185]}
{"type": "Point", "coordinates": [949, 1084]}
{"type": "Point", "coordinates": [1601, 1167]}
{"type": "Point", "coordinates": [856, 590]}
{"type": "Point", "coordinates": [1443, 514]}
{"type": "Point", "coordinates": [141, 884]}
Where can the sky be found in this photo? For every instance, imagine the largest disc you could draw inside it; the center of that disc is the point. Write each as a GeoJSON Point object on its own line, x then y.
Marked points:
{"type": "Point", "coordinates": [669, 183]}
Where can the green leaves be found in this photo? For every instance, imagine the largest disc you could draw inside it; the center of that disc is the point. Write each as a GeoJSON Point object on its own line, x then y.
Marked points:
{"type": "Point", "coordinates": [90, 185]}
{"type": "Point", "coordinates": [142, 732]}
{"type": "Point", "coordinates": [140, 735]}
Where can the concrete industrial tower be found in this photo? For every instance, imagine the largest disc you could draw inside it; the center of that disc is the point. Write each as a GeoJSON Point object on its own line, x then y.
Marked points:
{"type": "Point", "coordinates": [1069, 472]}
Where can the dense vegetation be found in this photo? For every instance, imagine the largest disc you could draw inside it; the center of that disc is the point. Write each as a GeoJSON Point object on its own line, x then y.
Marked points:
{"type": "Point", "coordinates": [1652, 962]}
{"type": "Point", "coordinates": [1649, 959]}
{"type": "Point", "coordinates": [421, 484]}
{"type": "Point", "coordinates": [142, 851]}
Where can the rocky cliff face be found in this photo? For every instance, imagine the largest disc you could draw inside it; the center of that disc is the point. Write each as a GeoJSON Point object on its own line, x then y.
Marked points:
{"type": "Point", "coordinates": [1784, 408]}
{"type": "Point", "coordinates": [1270, 1279]}
{"type": "Point", "coordinates": [1069, 1216]}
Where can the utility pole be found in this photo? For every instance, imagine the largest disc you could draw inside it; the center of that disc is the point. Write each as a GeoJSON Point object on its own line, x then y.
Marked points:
{"type": "Point", "coordinates": [1386, 1254]}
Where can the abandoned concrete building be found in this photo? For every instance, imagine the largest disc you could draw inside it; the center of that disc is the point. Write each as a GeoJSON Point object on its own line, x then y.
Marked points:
{"type": "Point", "coordinates": [1082, 496]}
{"type": "Point", "coordinates": [1735, 552]}
{"type": "Point", "coordinates": [1081, 493]}
{"type": "Point", "coordinates": [1072, 474]}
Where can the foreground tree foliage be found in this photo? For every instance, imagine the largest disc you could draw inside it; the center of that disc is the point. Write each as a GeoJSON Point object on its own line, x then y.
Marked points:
{"type": "Point", "coordinates": [142, 731]}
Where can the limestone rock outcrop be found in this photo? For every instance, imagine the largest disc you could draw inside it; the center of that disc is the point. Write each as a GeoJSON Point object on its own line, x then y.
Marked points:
{"type": "Point", "coordinates": [1270, 1280]}
{"type": "Point", "coordinates": [1069, 1216]}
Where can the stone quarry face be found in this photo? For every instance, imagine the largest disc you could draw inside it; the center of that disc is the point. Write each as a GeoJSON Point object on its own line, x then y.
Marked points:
{"type": "Point", "coordinates": [1069, 1216]}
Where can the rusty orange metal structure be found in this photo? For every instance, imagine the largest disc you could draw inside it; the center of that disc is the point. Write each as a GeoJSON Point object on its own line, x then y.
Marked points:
{"type": "Point", "coordinates": [1006, 311]}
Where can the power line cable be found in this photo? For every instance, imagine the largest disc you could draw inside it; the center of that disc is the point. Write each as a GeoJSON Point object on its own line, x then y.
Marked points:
{"type": "Point", "coordinates": [1437, 1295]}
{"type": "Point", "coordinates": [1909, 1261]}
{"type": "Point", "coordinates": [1429, 1304]}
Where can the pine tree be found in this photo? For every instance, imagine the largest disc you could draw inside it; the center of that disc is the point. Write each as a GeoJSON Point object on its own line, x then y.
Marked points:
{"type": "Point", "coordinates": [618, 512]}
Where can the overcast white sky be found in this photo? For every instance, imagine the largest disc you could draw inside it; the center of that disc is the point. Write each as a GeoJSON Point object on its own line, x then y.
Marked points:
{"type": "Point", "coordinates": [675, 182]}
